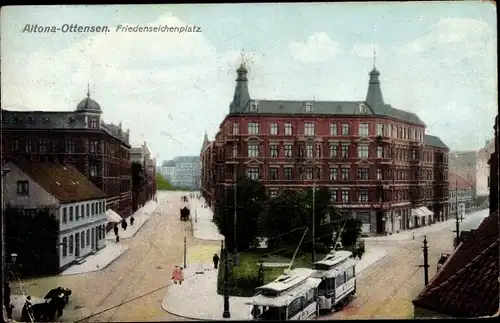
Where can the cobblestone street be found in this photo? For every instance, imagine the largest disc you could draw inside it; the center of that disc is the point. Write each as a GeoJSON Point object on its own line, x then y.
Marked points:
{"type": "Point", "coordinates": [386, 290]}
{"type": "Point", "coordinates": [146, 266]}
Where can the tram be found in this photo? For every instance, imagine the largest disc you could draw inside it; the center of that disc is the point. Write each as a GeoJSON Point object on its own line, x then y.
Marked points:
{"type": "Point", "coordinates": [292, 296]}
{"type": "Point", "coordinates": [337, 272]}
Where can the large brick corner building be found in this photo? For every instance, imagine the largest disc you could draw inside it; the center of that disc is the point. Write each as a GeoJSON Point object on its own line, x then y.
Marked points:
{"type": "Point", "coordinates": [377, 161]}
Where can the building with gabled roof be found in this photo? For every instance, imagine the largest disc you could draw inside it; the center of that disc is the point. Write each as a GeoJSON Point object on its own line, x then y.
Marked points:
{"type": "Point", "coordinates": [460, 192]}
{"type": "Point", "coordinates": [467, 285]}
{"type": "Point", "coordinates": [78, 205]}
{"type": "Point", "coordinates": [376, 160]}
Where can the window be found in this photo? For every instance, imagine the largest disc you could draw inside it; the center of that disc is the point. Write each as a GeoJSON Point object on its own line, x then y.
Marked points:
{"type": "Point", "coordinates": [288, 150]}
{"type": "Point", "coordinates": [334, 150]}
{"type": "Point", "coordinates": [308, 175]}
{"type": "Point", "coordinates": [309, 128]}
{"type": "Point", "coordinates": [273, 150]}
{"type": "Point", "coordinates": [333, 196]}
{"type": "Point", "coordinates": [253, 150]}
{"type": "Point", "coordinates": [288, 129]}
{"type": "Point", "coordinates": [15, 145]}
{"type": "Point", "coordinates": [288, 173]}
{"type": "Point", "coordinates": [94, 170]}
{"type": "Point", "coordinates": [82, 239]}
{"type": "Point", "coordinates": [82, 211]}
{"type": "Point", "coordinates": [295, 307]}
{"type": "Point", "coordinates": [77, 213]}
{"type": "Point", "coordinates": [42, 145]}
{"type": "Point", "coordinates": [235, 150]}
{"type": "Point", "coordinates": [236, 128]}
{"type": "Point", "coordinates": [70, 244]}
{"type": "Point", "coordinates": [334, 172]}
{"type": "Point", "coordinates": [93, 123]}
{"type": "Point", "coordinates": [309, 107]}
{"type": "Point", "coordinates": [23, 188]}
{"type": "Point", "coordinates": [273, 174]}
{"type": "Point", "coordinates": [380, 152]}
{"type": "Point", "coordinates": [318, 150]}
{"type": "Point", "coordinates": [92, 208]}
{"type": "Point", "coordinates": [309, 150]}
{"type": "Point", "coordinates": [363, 196]}
{"type": "Point", "coordinates": [345, 129]}
{"type": "Point", "coordinates": [273, 193]}
{"type": "Point", "coordinates": [362, 108]}
{"type": "Point", "coordinates": [345, 173]}
{"type": "Point", "coordinates": [65, 215]}
{"type": "Point", "coordinates": [363, 129]}
{"type": "Point", "coordinates": [65, 247]}
{"type": "Point", "coordinates": [380, 174]}
{"type": "Point", "coordinates": [363, 173]}
{"type": "Point", "coordinates": [253, 173]}
{"type": "Point", "coordinates": [253, 106]}
{"type": "Point", "coordinates": [87, 237]}
{"type": "Point", "coordinates": [380, 129]}
{"type": "Point", "coordinates": [28, 146]}
{"type": "Point", "coordinates": [253, 128]}
{"type": "Point", "coordinates": [70, 146]}
{"type": "Point", "coordinates": [333, 129]}
{"type": "Point", "coordinates": [350, 273]}
{"type": "Point", "coordinates": [87, 208]}
{"type": "Point", "coordinates": [345, 196]}
{"type": "Point", "coordinates": [345, 150]}
{"type": "Point", "coordinates": [94, 146]}
{"type": "Point", "coordinates": [363, 150]}
{"type": "Point", "coordinates": [273, 128]}
{"type": "Point", "coordinates": [71, 213]}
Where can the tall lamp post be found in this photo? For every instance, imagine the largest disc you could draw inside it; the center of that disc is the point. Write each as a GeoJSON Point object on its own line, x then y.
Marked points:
{"type": "Point", "coordinates": [4, 176]}
{"type": "Point", "coordinates": [226, 313]}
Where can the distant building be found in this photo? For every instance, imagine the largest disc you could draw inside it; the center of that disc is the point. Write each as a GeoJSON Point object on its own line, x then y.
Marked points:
{"type": "Point", "coordinates": [142, 155]}
{"type": "Point", "coordinates": [79, 205]}
{"type": "Point", "coordinates": [99, 150]}
{"type": "Point", "coordinates": [483, 168]}
{"type": "Point", "coordinates": [460, 194]}
{"type": "Point", "coordinates": [377, 161]}
{"type": "Point", "coordinates": [187, 172]}
{"type": "Point", "coordinates": [167, 169]}
{"type": "Point", "coordinates": [493, 163]}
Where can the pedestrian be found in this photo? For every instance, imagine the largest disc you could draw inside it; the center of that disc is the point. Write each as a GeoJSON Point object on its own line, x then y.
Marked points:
{"type": "Point", "coordinates": [124, 225]}
{"type": "Point", "coordinates": [115, 229]}
{"type": "Point", "coordinates": [181, 275]}
{"type": "Point", "coordinates": [132, 220]}
{"type": "Point", "coordinates": [413, 235]}
{"type": "Point", "coordinates": [176, 274]}
{"type": "Point", "coordinates": [216, 261]}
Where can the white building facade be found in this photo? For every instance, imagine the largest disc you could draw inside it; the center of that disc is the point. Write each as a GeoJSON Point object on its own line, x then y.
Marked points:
{"type": "Point", "coordinates": [77, 204]}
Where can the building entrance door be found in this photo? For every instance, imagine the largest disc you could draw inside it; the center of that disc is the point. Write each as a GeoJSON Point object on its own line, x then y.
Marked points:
{"type": "Point", "coordinates": [77, 245]}
{"type": "Point", "coordinates": [92, 239]}
{"type": "Point", "coordinates": [97, 237]}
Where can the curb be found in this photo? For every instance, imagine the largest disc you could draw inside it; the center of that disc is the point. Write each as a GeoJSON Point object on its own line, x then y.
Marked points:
{"type": "Point", "coordinates": [193, 318]}
{"type": "Point", "coordinates": [102, 268]}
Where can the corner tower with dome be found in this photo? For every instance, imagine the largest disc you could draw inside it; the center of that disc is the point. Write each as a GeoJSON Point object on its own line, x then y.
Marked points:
{"type": "Point", "coordinates": [99, 150]}
{"type": "Point", "coordinates": [377, 160]}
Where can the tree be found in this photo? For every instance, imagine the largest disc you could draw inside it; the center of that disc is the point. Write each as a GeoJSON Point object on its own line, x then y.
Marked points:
{"type": "Point", "coordinates": [34, 238]}
{"type": "Point", "coordinates": [351, 233]}
{"type": "Point", "coordinates": [162, 184]}
{"type": "Point", "coordinates": [282, 219]}
{"type": "Point", "coordinates": [251, 198]}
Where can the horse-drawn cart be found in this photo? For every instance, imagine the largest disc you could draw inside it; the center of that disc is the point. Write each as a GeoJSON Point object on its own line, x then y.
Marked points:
{"type": "Point", "coordinates": [185, 212]}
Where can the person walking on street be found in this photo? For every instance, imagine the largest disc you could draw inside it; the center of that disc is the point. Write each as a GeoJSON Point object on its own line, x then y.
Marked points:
{"type": "Point", "coordinates": [216, 261]}
{"type": "Point", "coordinates": [132, 220]}
{"type": "Point", "coordinates": [115, 229]}
{"type": "Point", "coordinates": [176, 274]}
{"type": "Point", "coordinates": [181, 275]}
{"type": "Point", "coordinates": [124, 225]}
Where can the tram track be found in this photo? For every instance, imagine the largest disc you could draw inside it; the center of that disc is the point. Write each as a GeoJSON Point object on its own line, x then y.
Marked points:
{"type": "Point", "coordinates": [128, 272]}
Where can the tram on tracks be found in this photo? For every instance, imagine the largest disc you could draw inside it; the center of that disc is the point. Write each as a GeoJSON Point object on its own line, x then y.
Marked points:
{"type": "Point", "coordinates": [292, 296]}
{"type": "Point", "coordinates": [337, 272]}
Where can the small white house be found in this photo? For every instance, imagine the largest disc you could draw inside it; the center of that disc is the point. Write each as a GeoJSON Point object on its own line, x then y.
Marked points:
{"type": "Point", "coordinates": [79, 205]}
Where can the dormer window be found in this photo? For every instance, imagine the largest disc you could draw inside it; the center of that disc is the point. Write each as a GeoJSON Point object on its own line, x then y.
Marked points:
{"type": "Point", "coordinates": [71, 120]}
{"type": "Point", "coordinates": [5, 120]}
{"type": "Point", "coordinates": [15, 120]}
{"type": "Point", "coordinates": [31, 120]}
{"type": "Point", "coordinates": [45, 120]}
{"type": "Point", "coordinates": [309, 107]}
{"type": "Point", "coordinates": [254, 106]}
{"type": "Point", "coordinates": [362, 108]}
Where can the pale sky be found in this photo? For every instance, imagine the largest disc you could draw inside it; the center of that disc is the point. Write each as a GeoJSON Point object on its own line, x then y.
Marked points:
{"type": "Point", "coordinates": [435, 59]}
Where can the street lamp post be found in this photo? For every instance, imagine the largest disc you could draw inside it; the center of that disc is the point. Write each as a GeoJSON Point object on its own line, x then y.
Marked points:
{"type": "Point", "coordinates": [235, 178]}
{"type": "Point", "coordinates": [4, 176]}
{"type": "Point", "coordinates": [226, 313]}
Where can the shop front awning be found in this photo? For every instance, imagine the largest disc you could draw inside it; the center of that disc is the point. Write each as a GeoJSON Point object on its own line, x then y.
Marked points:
{"type": "Point", "coordinates": [112, 216]}
{"type": "Point", "coordinates": [418, 212]}
{"type": "Point", "coordinates": [426, 211]}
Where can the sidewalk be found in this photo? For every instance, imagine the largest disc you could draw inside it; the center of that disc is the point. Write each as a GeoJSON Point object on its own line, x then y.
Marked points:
{"type": "Point", "coordinates": [201, 218]}
{"type": "Point", "coordinates": [102, 259]}
{"type": "Point", "coordinates": [197, 297]}
{"type": "Point", "coordinates": [470, 220]}
{"type": "Point", "coordinates": [141, 216]}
